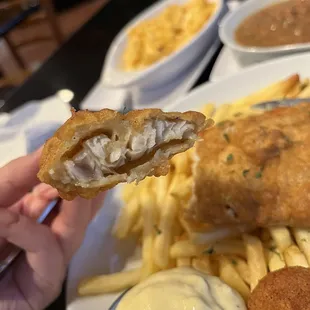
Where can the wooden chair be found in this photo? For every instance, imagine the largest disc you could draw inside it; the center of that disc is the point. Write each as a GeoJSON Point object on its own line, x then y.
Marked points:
{"type": "Point", "coordinates": [13, 80]}
{"type": "Point", "coordinates": [28, 13]}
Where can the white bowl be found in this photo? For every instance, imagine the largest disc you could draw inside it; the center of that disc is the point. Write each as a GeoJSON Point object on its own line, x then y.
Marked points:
{"type": "Point", "coordinates": [249, 55]}
{"type": "Point", "coordinates": [169, 67]}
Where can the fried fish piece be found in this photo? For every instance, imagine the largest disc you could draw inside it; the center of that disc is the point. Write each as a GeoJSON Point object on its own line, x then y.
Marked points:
{"type": "Point", "coordinates": [255, 170]}
{"type": "Point", "coordinates": [94, 151]}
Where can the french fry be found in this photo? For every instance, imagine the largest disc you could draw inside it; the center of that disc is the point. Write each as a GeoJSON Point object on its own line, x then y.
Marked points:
{"type": "Point", "coordinates": [302, 237]}
{"type": "Point", "coordinates": [277, 90]}
{"type": "Point", "coordinates": [177, 230]}
{"type": "Point", "coordinates": [223, 113]}
{"type": "Point", "coordinates": [305, 82]}
{"type": "Point", "coordinates": [275, 259]}
{"type": "Point", "coordinates": [208, 110]}
{"type": "Point", "coordinates": [129, 215]}
{"type": "Point", "coordinates": [230, 276]}
{"type": "Point", "coordinates": [281, 237]}
{"type": "Point", "coordinates": [204, 265]}
{"type": "Point", "coordinates": [138, 226]}
{"type": "Point", "coordinates": [242, 267]}
{"type": "Point", "coordinates": [305, 93]}
{"type": "Point", "coordinates": [177, 180]}
{"type": "Point", "coordinates": [190, 156]}
{"type": "Point", "coordinates": [182, 164]}
{"type": "Point", "coordinates": [128, 192]}
{"type": "Point", "coordinates": [181, 187]}
{"type": "Point", "coordinates": [255, 258]}
{"type": "Point", "coordinates": [295, 90]}
{"type": "Point", "coordinates": [149, 216]}
{"type": "Point", "coordinates": [165, 237]}
{"type": "Point", "coordinates": [184, 262]}
{"type": "Point", "coordinates": [109, 283]}
{"type": "Point", "coordinates": [294, 257]}
{"type": "Point", "coordinates": [185, 248]}
{"type": "Point", "coordinates": [186, 225]}
{"type": "Point", "coordinates": [162, 187]}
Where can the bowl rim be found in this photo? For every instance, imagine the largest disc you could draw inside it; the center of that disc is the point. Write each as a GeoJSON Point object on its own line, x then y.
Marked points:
{"type": "Point", "coordinates": [233, 44]}
{"type": "Point", "coordinates": [138, 75]}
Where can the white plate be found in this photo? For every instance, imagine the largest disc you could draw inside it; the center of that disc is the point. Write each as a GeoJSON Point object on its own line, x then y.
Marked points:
{"type": "Point", "coordinates": [100, 252]}
{"type": "Point", "coordinates": [225, 65]}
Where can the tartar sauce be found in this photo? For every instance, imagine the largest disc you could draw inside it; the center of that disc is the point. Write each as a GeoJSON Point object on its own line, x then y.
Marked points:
{"type": "Point", "coordinates": [182, 289]}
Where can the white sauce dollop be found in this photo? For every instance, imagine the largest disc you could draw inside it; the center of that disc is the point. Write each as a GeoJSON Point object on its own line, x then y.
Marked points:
{"type": "Point", "coordinates": [182, 289]}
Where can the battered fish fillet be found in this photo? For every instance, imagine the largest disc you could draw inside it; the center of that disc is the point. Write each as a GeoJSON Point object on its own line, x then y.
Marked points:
{"type": "Point", "coordinates": [94, 151]}
{"type": "Point", "coordinates": [255, 171]}
{"type": "Point", "coordinates": [284, 289]}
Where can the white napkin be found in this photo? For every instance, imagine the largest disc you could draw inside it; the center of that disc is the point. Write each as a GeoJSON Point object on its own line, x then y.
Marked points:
{"type": "Point", "coordinates": [101, 97]}
{"type": "Point", "coordinates": [27, 128]}
{"type": "Point", "coordinates": [234, 4]}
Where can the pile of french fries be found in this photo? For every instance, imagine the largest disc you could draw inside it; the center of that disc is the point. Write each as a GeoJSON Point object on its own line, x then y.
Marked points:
{"type": "Point", "coordinates": [153, 212]}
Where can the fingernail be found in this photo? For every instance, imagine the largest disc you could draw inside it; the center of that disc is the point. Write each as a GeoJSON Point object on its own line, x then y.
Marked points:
{"type": "Point", "coordinates": [41, 189]}
{"type": "Point", "coordinates": [51, 193]}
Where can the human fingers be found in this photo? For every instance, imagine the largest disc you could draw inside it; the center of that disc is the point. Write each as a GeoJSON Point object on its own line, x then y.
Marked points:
{"type": "Point", "coordinates": [23, 231]}
{"type": "Point", "coordinates": [38, 200]}
{"type": "Point", "coordinates": [70, 224]}
{"type": "Point", "coordinates": [30, 205]}
{"type": "Point", "coordinates": [34, 206]}
{"type": "Point", "coordinates": [6, 217]}
{"type": "Point", "coordinates": [35, 239]}
{"type": "Point", "coordinates": [42, 269]}
{"type": "Point", "coordinates": [45, 191]}
{"type": "Point", "coordinates": [18, 177]}
{"type": "Point", "coordinates": [72, 221]}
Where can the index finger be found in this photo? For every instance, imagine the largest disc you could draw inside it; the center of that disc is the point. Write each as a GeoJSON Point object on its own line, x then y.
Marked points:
{"type": "Point", "coordinates": [71, 223]}
{"type": "Point", "coordinates": [18, 177]}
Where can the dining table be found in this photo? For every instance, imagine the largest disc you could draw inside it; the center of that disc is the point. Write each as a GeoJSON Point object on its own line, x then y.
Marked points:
{"type": "Point", "coordinates": [77, 66]}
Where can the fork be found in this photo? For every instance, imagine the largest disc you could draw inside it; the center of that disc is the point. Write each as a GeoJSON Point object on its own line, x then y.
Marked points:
{"type": "Point", "coordinates": [116, 302]}
{"type": "Point", "coordinates": [270, 105]}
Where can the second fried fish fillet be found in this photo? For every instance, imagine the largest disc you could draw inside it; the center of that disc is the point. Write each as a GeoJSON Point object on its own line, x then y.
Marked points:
{"type": "Point", "coordinates": [255, 170]}
{"type": "Point", "coordinates": [94, 151]}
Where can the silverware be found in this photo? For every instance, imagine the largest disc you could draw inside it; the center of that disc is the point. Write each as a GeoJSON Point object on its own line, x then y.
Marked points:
{"type": "Point", "coordinates": [11, 252]}
{"type": "Point", "coordinates": [270, 105]}
{"type": "Point", "coordinates": [128, 104]}
{"type": "Point", "coordinates": [116, 302]}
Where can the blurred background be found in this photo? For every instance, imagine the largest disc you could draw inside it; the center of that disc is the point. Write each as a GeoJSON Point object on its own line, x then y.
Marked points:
{"type": "Point", "coordinates": [31, 30]}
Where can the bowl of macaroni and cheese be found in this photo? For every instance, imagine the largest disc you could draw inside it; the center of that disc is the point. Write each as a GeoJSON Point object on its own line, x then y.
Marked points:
{"type": "Point", "coordinates": [162, 42]}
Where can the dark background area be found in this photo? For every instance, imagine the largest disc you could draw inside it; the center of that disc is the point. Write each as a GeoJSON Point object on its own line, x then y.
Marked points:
{"type": "Point", "coordinates": [61, 5]}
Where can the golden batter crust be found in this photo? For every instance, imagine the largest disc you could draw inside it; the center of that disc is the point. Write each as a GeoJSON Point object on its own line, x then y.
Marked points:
{"type": "Point", "coordinates": [84, 124]}
{"type": "Point", "coordinates": [255, 170]}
